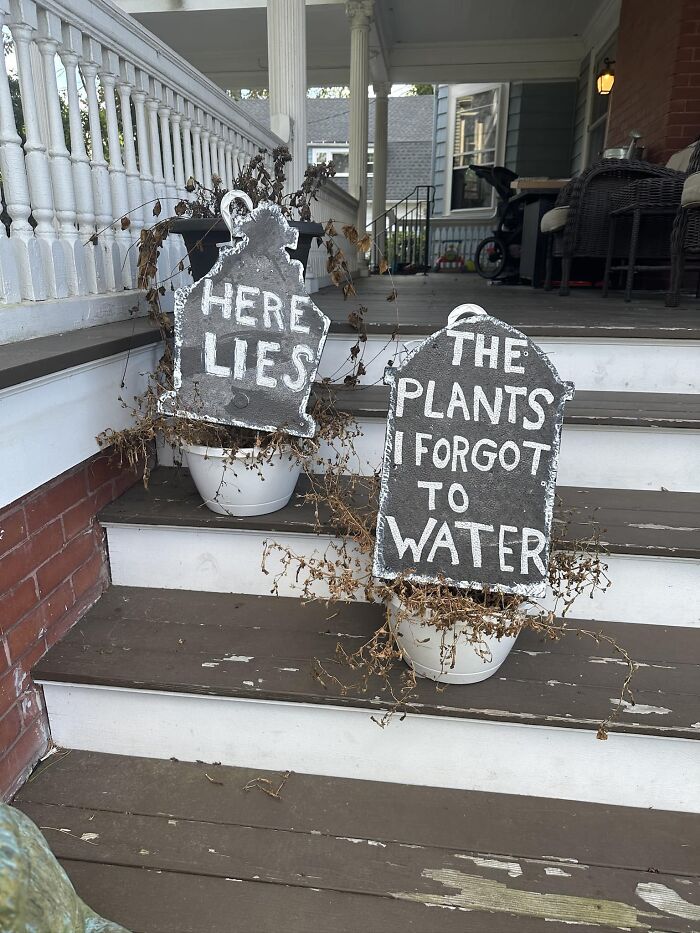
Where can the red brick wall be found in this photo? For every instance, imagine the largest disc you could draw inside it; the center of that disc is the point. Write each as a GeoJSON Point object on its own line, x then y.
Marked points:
{"type": "Point", "coordinates": [657, 76]}
{"type": "Point", "coordinates": [53, 566]}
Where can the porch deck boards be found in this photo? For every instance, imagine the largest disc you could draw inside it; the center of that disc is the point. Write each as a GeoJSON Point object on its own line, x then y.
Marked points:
{"type": "Point", "coordinates": [270, 648]}
{"type": "Point", "coordinates": [609, 409]}
{"type": "Point", "coordinates": [630, 521]}
{"type": "Point", "coordinates": [423, 303]}
{"type": "Point", "coordinates": [175, 847]}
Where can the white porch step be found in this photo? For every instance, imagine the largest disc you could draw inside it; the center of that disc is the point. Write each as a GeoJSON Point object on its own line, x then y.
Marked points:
{"type": "Point", "coordinates": [602, 364]}
{"type": "Point", "coordinates": [166, 537]}
{"type": "Point", "coordinates": [612, 440]}
{"type": "Point", "coordinates": [193, 676]}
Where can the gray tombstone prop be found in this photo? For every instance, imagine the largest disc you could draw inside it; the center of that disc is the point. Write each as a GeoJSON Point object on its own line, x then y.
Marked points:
{"type": "Point", "coordinates": [248, 339]}
{"type": "Point", "coordinates": [470, 459]}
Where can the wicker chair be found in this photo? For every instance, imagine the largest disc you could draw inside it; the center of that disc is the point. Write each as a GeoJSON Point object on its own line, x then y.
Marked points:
{"type": "Point", "coordinates": [580, 233]}
{"type": "Point", "coordinates": [685, 236]}
{"type": "Point", "coordinates": [658, 197]}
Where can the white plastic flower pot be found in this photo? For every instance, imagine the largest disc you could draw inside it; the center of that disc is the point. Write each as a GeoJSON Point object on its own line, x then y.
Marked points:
{"type": "Point", "coordinates": [447, 655]}
{"type": "Point", "coordinates": [232, 486]}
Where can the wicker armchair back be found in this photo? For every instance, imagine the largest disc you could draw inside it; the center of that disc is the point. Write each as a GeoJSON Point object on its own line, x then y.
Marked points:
{"type": "Point", "coordinates": [588, 197]}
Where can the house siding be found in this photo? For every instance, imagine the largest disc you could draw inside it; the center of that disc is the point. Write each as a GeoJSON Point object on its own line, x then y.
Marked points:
{"type": "Point", "coordinates": [540, 132]}
{"type": "Point", "coordinates": [440, 148]}
{"type": "Point", "coordinates": [580, 129]}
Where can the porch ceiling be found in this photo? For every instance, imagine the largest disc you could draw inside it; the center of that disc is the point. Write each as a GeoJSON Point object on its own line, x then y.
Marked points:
{"type": "Point", "coordinates": [411, 41]}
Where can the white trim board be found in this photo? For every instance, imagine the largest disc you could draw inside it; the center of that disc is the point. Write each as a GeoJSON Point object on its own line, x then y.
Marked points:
{"type": "Point", "coordinates": [27, 320]}
{"type": "Point", "coordinates": [591, 363]}
{"type": "Point", "coordinates": [649, 590]}
{"type": "Point", "coordinates": [50, 424]}
{"type": "Point", "coordinates": [435, 751]}
{"type": "Point", "coordinates": [597, 456]}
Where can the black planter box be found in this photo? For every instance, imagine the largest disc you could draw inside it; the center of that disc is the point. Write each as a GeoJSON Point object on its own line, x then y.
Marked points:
{"type": "Point", "coordinates": [210, 232]}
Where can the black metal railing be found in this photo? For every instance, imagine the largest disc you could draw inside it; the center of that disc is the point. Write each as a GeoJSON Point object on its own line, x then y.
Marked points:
{"type": "Point", "coordinates": [401, 235]}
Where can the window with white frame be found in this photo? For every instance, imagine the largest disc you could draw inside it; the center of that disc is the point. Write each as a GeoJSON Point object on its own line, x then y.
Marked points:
{"type": "Point", "coordinates": [340, 157]}
{"type": "Point", "coordinates": [475, 141]}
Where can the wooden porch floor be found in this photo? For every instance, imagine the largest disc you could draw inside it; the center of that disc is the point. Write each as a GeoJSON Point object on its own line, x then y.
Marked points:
{"type": "Point", "coordinates": [428, 299]}
{"type": "Point", "coordinates": [175, 847]}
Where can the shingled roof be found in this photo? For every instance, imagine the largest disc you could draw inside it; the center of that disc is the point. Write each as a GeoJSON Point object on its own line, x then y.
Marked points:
{"type": "Point", "coordinates": [410, 147]}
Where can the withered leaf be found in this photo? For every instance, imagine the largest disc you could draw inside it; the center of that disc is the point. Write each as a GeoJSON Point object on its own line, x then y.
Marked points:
{"type": "Point", "coordinates": [365, 243]}
{"type": "Point", "coordinates": [350, 234]}
{"type": "Point", "coordinates": [157, 209]}
{"type": "Point", "coordinates": [393, 295]}
{"type": "Point", "coordinates": [125, 223]}
{"type": "Point", "coordinates": [383, 267]}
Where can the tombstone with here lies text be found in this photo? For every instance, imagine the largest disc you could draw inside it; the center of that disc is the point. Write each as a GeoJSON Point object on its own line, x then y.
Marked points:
{"type": "Point", "coordinates": [248, 339]}
{"type": "Point", "coordinates": [470, 459]}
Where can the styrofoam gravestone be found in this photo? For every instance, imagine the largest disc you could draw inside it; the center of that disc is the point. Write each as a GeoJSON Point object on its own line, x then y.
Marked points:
{"type": "Point", "coordinates": [248, 339]}
{"type": "Point", "coordinates": [470, 459]}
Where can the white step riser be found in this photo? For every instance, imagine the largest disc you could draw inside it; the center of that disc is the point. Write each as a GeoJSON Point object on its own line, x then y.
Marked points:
{"type": "Point", "coordinates": [435, 751]}
{"type": "Point", "coordinates": [597, 456]}
{"type": "Point", "coordinates": [591, 364]}
{"type": "Point", "coordinates": [651, 590]}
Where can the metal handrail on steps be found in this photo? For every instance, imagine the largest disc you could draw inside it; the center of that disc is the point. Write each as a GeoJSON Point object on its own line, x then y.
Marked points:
{"type": "Point", "coordinates": [401, 235]}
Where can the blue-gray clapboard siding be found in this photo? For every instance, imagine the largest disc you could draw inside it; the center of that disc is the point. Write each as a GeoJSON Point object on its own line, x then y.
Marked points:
{"type": "Point", "coordinates": [580, 129]}
{"type": "Point", "coordinates": [440, 155]}
{"type": "Point", "coordinates": [540, 131]}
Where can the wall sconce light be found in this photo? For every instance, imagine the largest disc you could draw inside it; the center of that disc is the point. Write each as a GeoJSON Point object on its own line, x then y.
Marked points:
{"type": "Point", "coordinates": [606, 78]}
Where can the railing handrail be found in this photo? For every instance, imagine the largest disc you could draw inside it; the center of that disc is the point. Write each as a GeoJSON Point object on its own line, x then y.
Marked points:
{"type": "Point", "coordinates": [391, 210]}
{"type": "Point", "coordinates": [118, 31]}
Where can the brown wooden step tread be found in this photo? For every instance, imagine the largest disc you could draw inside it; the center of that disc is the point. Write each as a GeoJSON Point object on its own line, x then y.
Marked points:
{"type": "Point", "coordinates": [174, 847]}
{"type": "Point", "coordinates": [631, 521]}
{"type": "Point", "coordinates": [609, 409]}
{"type": "Point", "coordinates": [424, 302]}
{"type": "Point", "coordinates": [264, 647]}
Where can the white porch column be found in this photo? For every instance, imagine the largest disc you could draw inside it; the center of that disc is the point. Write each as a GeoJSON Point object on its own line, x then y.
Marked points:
{"type": "Point", "coordinates": [360, 15]}
{"type": "Point", "coordinates": [286, 63]}
{"type": "Point", "coordinates": [381, 134]}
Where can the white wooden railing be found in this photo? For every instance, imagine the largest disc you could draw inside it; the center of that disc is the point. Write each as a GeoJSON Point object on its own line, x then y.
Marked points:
{"type": "Point", "coordinates": [334, 203]}
{"type": "Point", "coordinates": [164, 121]}
{"type": "Point", "coordinates": [463, 234]}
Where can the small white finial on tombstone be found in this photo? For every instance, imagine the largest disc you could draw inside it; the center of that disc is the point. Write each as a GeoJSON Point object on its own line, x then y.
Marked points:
{"type": "Point", "coordinates": [226, 204]}
{"type": "Point", "coordinates": [463, 311]}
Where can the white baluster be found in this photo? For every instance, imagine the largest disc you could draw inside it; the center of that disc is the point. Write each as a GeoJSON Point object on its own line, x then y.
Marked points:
{"type": "Point", "coordinates": [197, 146]}
{"type": "Point", "coordinates": [101, 190]}
{"type": "Point", "coordinates": [237, 164]}
{"type": "Point", "coordinates": [20, 257]}
{"type": "Point", "coordinates": [214, 149]}
{"type": "Point", "coordinates": [59, 159]}
{"type": "Point", "coordinates": [228, 160]}
{"type": "Point", "coordinates": [125, 86]}
{"type": "Point", "coordinates": [93, 256]}
{"type": "Point", "coordinates": [164, 111]}
{"type": "Point", "coordinates": [187, 141]}
{"type": "Point", "coordinates": [139, 95]}
{"type": "Point", "coordinates": [109, 75]}
{"type": "Point", "coordinates": [176, 124]}
{"type": "Point", "coordinates": [23, 24]}
{"type": "Point", "coordinates": [221, 155]}
{"type": "Point", "coordinates": [152, 105]}
{"type": "Point", "coordinates": [206, 153]}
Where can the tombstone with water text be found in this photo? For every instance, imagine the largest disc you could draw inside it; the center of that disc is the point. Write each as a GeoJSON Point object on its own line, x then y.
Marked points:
{"type": "Point", "coordinates": [470, 459]}
{"type": "Point", "coordinates": [248, 339]}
